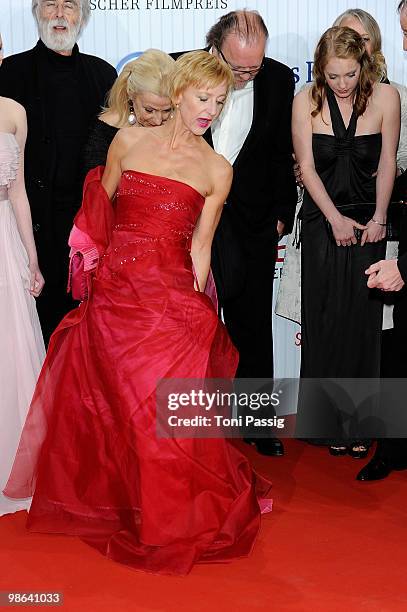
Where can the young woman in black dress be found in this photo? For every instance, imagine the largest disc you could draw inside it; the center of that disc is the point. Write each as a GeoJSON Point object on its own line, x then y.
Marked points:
{"type": "Point", "coordinates": [345, 132]}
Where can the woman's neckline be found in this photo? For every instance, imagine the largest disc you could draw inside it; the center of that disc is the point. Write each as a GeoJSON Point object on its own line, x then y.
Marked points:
{"type": "Point", "coordinates": [167, 178]}
{"type": "Point", "coordinates": [356, 136]}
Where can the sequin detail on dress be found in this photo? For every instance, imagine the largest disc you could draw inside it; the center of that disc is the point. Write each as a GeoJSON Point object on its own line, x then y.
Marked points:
{"type": "Point", "coordinates": [196, 499]}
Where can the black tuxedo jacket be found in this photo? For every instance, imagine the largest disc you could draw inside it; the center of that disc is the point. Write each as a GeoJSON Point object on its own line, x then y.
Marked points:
{"type": "Point", "coordinates": [263, 188]}
{"type": "Point", "coordinates": [24, 78]}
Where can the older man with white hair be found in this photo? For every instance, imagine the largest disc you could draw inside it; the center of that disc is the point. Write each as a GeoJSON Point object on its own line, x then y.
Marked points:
{"type": "Point", "coordinates": [62, 91]}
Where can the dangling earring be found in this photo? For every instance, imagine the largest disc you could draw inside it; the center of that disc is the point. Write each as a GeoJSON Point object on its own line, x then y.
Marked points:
{"type": "Point", "coordinates": [131, 119]}
{"type": "Point", "coordinates": [174, 108]}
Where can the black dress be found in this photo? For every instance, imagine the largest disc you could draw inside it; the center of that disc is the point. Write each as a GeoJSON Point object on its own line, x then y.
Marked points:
{"type": "Point", "coordinates": [99, 140]}
{"type": "Point", "coordinates": [341, 317]}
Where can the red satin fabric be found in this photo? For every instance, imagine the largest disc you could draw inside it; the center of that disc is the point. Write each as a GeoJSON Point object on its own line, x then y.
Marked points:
{"type": "Point", "coordinates": [89, 452]}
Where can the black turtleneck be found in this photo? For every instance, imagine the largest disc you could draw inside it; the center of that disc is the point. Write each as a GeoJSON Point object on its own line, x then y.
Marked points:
{"type": "Point", "coordinates": [62, 95]}
{"type": "Point", "coordinates": [69, 118]}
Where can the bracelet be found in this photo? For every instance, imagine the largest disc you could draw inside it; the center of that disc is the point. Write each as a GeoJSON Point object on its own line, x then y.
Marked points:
{"type": "Point", "coordinates": [377, 223]}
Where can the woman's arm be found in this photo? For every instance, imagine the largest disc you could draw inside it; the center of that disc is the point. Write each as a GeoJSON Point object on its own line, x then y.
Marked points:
{"type": "Point", "coordinates": [208, 222]}
{"type": "Point", "coordinates": [21, 207]}
{"type": "Point", "coordinates": [386, 172]}
{"type": "Point", "coordinates": [342, 227]}
{"type": "Point", "coordinates": [113, 169]}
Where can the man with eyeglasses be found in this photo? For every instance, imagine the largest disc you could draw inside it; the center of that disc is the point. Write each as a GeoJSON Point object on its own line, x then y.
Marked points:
{"type": "Point", "coordinates": [254, 133]}
{"type": "Point", "coordinates": [62, 90]}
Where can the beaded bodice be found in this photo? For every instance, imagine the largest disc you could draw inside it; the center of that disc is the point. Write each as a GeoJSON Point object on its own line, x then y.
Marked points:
{"type": "Point", "coordinates": [153, 213]}
{"type": "Point", "coordinates": [9, 152]}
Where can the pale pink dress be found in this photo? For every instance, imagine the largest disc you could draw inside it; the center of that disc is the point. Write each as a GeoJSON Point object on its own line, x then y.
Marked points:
{"type": "Point", "coordinates": [21, 345]}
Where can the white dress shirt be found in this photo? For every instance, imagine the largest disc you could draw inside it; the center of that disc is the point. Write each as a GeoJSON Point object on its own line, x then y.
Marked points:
{"type": "Point", "coordinates": [231, 128]}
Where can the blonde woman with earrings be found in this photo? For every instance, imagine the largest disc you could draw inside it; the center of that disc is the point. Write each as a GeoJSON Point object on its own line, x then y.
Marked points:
{"type": "Point", "coordinates": [139, 97]}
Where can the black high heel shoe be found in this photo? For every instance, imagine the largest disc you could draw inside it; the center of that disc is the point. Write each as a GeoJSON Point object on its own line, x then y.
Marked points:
{"type": "Point", "coordinates": [359, 450]}
{"type": "Point", "coordinates": [337, 451]}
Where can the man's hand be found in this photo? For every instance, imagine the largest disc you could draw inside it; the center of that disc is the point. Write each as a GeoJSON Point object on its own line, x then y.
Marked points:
{"type": "Point", "coordinates": [385, 275]}
{"type": "Point", "coordinates": [280, 229]}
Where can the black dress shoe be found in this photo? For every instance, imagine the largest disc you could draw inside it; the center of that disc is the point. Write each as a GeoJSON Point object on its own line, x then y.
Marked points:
{"type": "Point", "coordinates": [376, 469]}
{"type": "Point", "coordinates": [272, 447]}
{"type": "Point", "coordinates": [338, 451]}
{"type": "Point", "coordinates": [359, 450]}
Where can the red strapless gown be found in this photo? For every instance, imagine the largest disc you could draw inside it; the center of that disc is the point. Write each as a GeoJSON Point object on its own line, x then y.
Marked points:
{"type": "Point", "coordinates": [89, 453]}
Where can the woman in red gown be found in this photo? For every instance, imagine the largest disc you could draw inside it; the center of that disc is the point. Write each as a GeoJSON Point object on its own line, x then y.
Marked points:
{"type": "Point", "coordinates": [89, 453]}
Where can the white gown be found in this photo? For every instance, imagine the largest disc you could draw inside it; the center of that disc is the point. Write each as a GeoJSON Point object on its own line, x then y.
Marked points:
{"type": "Point", "coordinates": [21, 344]}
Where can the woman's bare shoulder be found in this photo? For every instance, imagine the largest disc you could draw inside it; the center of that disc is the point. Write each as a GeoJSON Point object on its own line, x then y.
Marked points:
{"type": "Point", "coordinates": [304, 93]}
{"type": "Point", "coordinates": [303, 103]}
{"type": "Point", "coordinates": [303, 99]}
{"type": "Point", "coordinates": [11, 108]}
{"type": "Point", "coordinates": [223, 167]}
{"type": "Point", "coordinates": [129, 135]}
{"type": "Point", "coordinates": [385, 92]}
{"type": "Point", "coordinates": [220, 170]}
{"type": "Point", "coordinates": [217, 164]}
{"type": "Point", "coordinates": [306, 87]}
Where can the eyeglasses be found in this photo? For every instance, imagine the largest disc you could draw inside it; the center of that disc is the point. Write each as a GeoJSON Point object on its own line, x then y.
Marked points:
{"type": "Point", "coordinates": [251, 73]}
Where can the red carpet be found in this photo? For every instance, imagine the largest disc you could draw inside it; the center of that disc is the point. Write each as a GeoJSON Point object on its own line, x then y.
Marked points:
{"type": "Point", "coordinates": [331, 544]}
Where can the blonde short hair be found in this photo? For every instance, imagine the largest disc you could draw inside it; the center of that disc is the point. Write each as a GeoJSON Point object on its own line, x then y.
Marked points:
{"type": "Point", "coordinates": [379, 68]}
{"type": "Point", "coordinates": [198, 68]}
{"type": "Point", "coordinates": [148, 73]}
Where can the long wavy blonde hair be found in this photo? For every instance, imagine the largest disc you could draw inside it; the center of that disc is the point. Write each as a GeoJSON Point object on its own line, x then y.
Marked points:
{"type": "Point", "coordinates": [148, 73]}
{"type": "Point", "coordinates": [369, 23]}
{"type": "Point", "coordinates": [343, 43]}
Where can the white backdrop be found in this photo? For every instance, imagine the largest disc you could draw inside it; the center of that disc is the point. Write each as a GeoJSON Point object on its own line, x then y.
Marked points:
{"type": "Point", "coordinates": [120, 29]}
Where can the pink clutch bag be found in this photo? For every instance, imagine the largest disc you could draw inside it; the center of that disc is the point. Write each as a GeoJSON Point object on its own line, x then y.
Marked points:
{"type": "Point", "coordinates": [90, 234]}
{"type": "Point", "coordinates": [77, 281]}
{"type": "Point", "coordinates": [83, 259]}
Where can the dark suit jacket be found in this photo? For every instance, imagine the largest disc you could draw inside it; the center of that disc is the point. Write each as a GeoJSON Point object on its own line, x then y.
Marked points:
{"type": "Point", "coordinates": [402, 265]}
{"type": "Point", "coordinates": [401, 194]}
{"type": "Point", "coordinates": [23, 77]}
{"type": "Point", "coordinates": [263, 188]}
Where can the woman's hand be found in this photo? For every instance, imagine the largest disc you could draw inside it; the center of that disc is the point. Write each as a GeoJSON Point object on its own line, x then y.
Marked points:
{"type": "Point", "coordinates": [374, 233]}
{"type": "Point", "coordinates": [343, 229]}
{"type": "Point", "coordinates": [36, 280]}
{"type": "Point", "coordinates": [297, 172]}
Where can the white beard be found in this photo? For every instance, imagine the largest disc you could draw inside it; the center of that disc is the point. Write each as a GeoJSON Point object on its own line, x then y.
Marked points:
{"type": "Point", "coordinates": [58, 41]}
